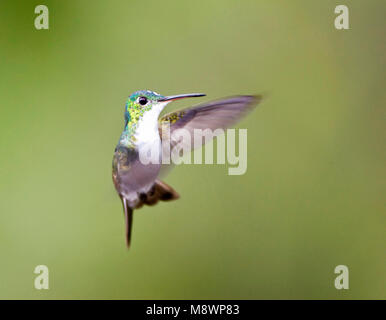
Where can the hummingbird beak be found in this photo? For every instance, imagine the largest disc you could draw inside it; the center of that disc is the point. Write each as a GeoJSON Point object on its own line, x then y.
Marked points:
{"type": "Point", "coordinates": [181, 96]}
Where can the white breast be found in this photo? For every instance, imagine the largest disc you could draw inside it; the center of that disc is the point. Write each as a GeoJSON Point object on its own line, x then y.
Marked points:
{"type": "Point", "coordinates": [147, 134]}
{"type": "Point", "coordinates": [147, 127]}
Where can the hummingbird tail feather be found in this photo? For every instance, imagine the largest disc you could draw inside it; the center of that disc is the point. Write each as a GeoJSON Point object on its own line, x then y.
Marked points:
{"type": "Point", "coordinates": [128, 220]}
{"type": "Point", "coordinates": [160, 192]}
{"type": "Point", "coordinates": [165, 192]}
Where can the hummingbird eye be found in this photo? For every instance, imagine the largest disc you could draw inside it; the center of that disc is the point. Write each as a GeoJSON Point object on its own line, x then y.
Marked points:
{"type": "Point", "coordinates": [142, 101]}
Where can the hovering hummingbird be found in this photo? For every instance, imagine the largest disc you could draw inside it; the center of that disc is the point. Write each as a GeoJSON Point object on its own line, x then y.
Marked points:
{"type": "Point", "coordinates": [138, 184]}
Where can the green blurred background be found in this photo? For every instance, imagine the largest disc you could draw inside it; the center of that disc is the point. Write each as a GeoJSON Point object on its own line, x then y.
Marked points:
{"type": "Point", "coordinates": [313, 195]}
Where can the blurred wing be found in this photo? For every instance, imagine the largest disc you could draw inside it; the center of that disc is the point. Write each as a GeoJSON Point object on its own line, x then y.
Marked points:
{"type": "Point", "coordinates": [220, 114]}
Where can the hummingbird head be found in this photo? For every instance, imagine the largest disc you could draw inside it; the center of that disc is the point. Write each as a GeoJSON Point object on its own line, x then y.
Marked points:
{"type": "Point", "coordinates": [144, 101]}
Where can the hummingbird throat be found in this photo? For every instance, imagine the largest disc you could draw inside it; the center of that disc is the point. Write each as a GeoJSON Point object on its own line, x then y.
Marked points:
{"type": "Point", "coordinates": [141, 125]}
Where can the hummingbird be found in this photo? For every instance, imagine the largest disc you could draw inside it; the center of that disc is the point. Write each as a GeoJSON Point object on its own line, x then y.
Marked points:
{"type": "Point", "coordinates": [138, 184]}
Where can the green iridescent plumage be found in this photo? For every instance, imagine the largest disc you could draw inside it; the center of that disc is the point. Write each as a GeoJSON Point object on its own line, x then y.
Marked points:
{"type": "Point", "coordinates": [172, 117]}
{"type": "Point", "coordinates": [133, 113]}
